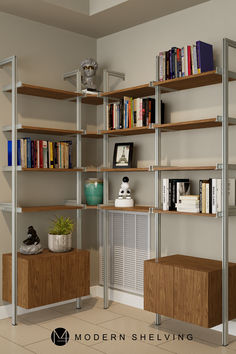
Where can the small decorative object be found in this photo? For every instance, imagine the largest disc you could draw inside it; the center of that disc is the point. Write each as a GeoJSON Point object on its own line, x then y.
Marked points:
{"type": "Point", "coordinates": [93, 190]}
{"type": "Point", "coordinates": [122, 157]}
{"type": "Point", "coordinates": [31, 245]}
{"type": "Point", "coordinates": [88, 69]}
{"type": "Point", "coordinates": [60, 235]}
{"type": "Point", "coordinates": [124, 200]}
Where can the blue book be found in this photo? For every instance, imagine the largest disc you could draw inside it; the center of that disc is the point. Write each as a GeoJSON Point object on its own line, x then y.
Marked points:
{"type": "Point", "coordinates": [204, 56]}
{"type": "Point", "coordinates": [9, 148]}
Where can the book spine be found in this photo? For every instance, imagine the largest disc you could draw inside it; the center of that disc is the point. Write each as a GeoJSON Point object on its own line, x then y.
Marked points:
{"type": "Point", "coordinates": [182, 62]}
{"type": "Point", "coordinates": [218, 195]}
{"type": "Point", "coordinates": [164, 66]}
{"type": "Point", "coordinates": [198, 57]}
{"type": "Point", "coordinates": [200, 196]}
{"type": "Point", "coordinates": [189, 61]}
{"type": "Point", "coordinates": [165, 194]}
{"type": "Point", "coordinates": [51, 154]}
{"type": "Point", "coordinates": [203, 197]}
{"type": "Point", "coordinates": [186, 60]}
{"type": "Point", "coordinates": [161, 66]}
{"type": "Point", "coordinates": [9, 152]}
{"type": "Point", "coordinates": [168, 65]}
{"type": "Point", "coordinates": [66, 155]}
{"type": "Point", "coordinates": [207, 198]}
{"type": "Point", "coordinates": [195, 71]}
{"type": "Point", "coordinates": [214, 196]}
{"type": "Point", "coordinates": [41, 153]}
{"type": "Point", "coordinates": [210, 195]}
{"type": "Point", "coordinates": [45, 154]}
{"type": "Point", "coordinates": [55, 155]}
{"type": "Point", "coordinates": [28, 142]}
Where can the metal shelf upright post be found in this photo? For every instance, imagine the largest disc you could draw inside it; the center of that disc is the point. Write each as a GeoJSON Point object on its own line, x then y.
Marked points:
{"type": "Point", "coordinates": [157, 173]}
{"type": "Point", "coordinates": [77, 75]}
{"type": "Point", "coordinates": [13, 61]}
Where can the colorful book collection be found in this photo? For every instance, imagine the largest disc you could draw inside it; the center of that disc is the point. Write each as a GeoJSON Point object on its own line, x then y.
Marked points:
{"type": "Point", "coordinates": [176, 195]}
{"type": "Point", "coordinates": [185, 61]}
{"type": "Point", "coordinates": [132, 112]}
{"type": "Point", "coordinates": [42, 153]}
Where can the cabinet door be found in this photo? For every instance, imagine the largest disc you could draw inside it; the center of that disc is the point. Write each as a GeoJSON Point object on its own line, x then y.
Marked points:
{"type": "Point", "coordinates": [191, 296]}
{"type": "Point", "coordinates": [44, 281]}
{"type": "Point", "coordinates": [158, 288]}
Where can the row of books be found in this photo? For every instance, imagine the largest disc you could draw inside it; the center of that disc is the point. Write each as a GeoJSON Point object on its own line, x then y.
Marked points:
{"type": "Point", "coordinates": [41, 153]}
{"type": "Point", "coordinates": [132, 112]}
{"type": "Point", "coordinates": [185, 61]}
{"type": "Point", "coordinates": [176, 195]}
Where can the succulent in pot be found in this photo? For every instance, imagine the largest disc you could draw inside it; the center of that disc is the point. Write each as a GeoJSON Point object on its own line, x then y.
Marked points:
{"type": "Point", "coordinates": [60, 234]}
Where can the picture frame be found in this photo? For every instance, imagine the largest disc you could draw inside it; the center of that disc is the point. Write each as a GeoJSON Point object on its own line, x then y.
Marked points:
{"type": "Point", "coordinates": [123, 154]}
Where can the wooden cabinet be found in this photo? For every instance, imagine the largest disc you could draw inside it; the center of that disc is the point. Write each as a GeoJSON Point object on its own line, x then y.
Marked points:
{"type": "Point", "coordinates": [48, 277]}
{"type": "Point", "coordinates": [188, 289]}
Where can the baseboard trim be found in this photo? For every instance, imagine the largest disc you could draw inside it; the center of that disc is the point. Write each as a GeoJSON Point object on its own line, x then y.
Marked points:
{"type": "Point", "coordinates": [97, 291]}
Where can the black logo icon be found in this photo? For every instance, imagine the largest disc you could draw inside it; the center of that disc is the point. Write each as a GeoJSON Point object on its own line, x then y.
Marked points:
{"type": "Point", "coordinates": [60, 336]}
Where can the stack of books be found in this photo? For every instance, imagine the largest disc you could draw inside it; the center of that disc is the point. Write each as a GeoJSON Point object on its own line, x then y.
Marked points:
{"type": "Point", "coordinates": [188, 204]}
{"type": "Point", "coordinates": [131, 113]}
{"type": "Point", "coordinates": [189, 60]}
{"type": "Point", "coordinates": [42, 153]}
{"type": "Point", "coordinates": [211, 195]}
{"type": "Point", "coordinates": [172, 190]}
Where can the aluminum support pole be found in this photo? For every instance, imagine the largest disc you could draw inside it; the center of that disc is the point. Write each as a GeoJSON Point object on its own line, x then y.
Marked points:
{"type": "Point", "coordinates": [105, 194]}
{"type": "Point", "coordinates": [13, 62]}
{"type": "Point", "coordinates": [78, 174]}
{"type": "Point", "coordinates": [225, 247]}
{"type": "Point", "coordinates": [157, 174]}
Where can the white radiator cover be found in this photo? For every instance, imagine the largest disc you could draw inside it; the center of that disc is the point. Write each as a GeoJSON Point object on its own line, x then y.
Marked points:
{"type": "Point", "coordinates": [129, 247]}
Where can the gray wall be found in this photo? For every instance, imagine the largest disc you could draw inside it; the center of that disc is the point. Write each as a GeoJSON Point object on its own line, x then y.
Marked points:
{"type": "Point", "coordinates": [44, 54]}
{"type": "Point", "coordinates": [133, 52]}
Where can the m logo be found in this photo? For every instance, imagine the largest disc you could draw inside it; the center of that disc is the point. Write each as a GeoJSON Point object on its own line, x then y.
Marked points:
{"type": "Point", "coordinates": [60, 336]}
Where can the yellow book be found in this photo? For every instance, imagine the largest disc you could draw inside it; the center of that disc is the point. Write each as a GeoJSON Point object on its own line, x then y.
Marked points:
{"type": "Point", "coordinates": [51, 154]}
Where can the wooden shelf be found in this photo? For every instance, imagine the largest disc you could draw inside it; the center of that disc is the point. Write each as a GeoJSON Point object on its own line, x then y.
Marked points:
{"type": "Point", "coordinates": [91, 206]}
{"type": "Point", "coordinates": [188, 125]}
{"type": "Point", "coordinates": [140, 169]}
{"type": "Point", "coordinates": [160, 211]}
{"type": "Point", "coordinates": [91, 169]}
{"type": "Point", "coordinates": [192, 81]}
{"type": "Point", "coordinates": [93, 135]}
{"type": "Point", "coordinates": [40, 130]}
{"type": "Point", "coordinates": [129, 131]}
{"type": "Point", "coordinates": [135, 91]}
{"type": "Point", "coordinates": [92, 99]}
{"type": "Point", "coordinates": [19, 168]}
{"type": "Point", "coordinates": [46, 92]}
{"type": "Point", "coordinates": [39, 91]}
{"type": "Point", "coordinates": [137, 208]}
{"type": "Point", "coordinates": [184, 168]}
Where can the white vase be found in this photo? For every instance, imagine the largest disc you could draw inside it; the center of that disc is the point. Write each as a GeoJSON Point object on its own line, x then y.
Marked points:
{"type": "Point", "coordinates": [60, 243]}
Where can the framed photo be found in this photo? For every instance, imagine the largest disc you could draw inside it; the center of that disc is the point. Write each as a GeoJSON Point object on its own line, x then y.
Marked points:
{"type": "Point", "coordinates": [123, 153]}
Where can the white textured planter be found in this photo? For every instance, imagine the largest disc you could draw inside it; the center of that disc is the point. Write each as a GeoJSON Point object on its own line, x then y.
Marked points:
{"type": "Point", "coordinates": [60, 243]}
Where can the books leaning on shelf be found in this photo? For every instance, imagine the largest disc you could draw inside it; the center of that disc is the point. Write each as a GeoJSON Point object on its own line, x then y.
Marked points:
{"type": "Point", "coordinates": [211, 195]}
{"type": "Point", "coordinates": [185, 61]}
{"type": "Point", "coordinates": [42, 153]}
{"type": "Point", "coordinates": [132, 112]}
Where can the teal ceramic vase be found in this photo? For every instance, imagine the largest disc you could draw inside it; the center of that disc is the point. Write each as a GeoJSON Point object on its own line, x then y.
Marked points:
{"type": "Point", "coordinates": [93, 190]}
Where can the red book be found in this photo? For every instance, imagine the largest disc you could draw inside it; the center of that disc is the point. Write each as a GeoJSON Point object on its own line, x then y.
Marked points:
{"type": "Point", "coordinates": [40, 153]}
{"type": "Point", "coordinates": [189, 61]}
{"type": "Point", "coordinates": [130, 113]}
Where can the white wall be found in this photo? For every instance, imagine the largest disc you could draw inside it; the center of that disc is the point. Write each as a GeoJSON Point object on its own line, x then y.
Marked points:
{"type": "Point", "coordinates": [44, 54]}
{"type": "Point", "coordinates": [133, 52]}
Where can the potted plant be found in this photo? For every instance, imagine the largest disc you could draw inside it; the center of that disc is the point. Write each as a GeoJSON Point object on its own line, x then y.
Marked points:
{"type": "Point", "coordinates": [60, 234]}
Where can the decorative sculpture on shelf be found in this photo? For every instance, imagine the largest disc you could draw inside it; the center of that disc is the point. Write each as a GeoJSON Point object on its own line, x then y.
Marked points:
{"type": "Point", "coordinates": [124, 200]}
{"type": "Point", "coordinates": [31, 245]}
{"type": "Point", "coordinates": [88, 69]}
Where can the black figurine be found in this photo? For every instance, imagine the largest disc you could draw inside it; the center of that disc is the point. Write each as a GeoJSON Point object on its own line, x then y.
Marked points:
{"type": "Point", "coordinates": [32, 238]}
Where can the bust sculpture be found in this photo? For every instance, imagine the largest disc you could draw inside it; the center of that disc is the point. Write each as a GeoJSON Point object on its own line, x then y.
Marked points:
{"type": "Point", "coordinates": [124, 199]}
{"type": "Point", "coordinates": [88, 69]}
{"type": "Point", "coordinates": [31, 245]}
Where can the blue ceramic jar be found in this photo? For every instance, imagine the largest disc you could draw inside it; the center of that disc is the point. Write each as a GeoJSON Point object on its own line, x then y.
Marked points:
{"type": "Point", "coordinates": [93, 190]}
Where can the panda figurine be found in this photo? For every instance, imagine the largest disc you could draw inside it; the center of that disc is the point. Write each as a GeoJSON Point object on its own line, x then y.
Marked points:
{"type": "Point", "coordinates": [124, 199]}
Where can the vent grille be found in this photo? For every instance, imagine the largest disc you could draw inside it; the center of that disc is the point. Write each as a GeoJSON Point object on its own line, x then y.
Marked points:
{"type": "Point", "coordinates": [129, 247]}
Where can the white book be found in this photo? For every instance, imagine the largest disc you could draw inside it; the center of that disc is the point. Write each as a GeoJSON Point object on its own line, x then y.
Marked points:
{"type": "Point", "coordinates": [186, 60]}
{"type": "Point", "coordinates": [189, 197]}
{"type": "Point", "coordinates": [187, 210]}
{"type": "Point", "coordinates": [214, 196]}
{"type": "Point", "coordinates": [195, 59]}
{"type": "Point", "coordinates": [189, 203]}
{"type": "Point", "coordinates": [218, 195]}
{"type": "Point", "coordinates": [165, 193]}
{"type": "Point", "coordinates": [231, 191]}
{"type": "Point", "coordinates": [207, 198]}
